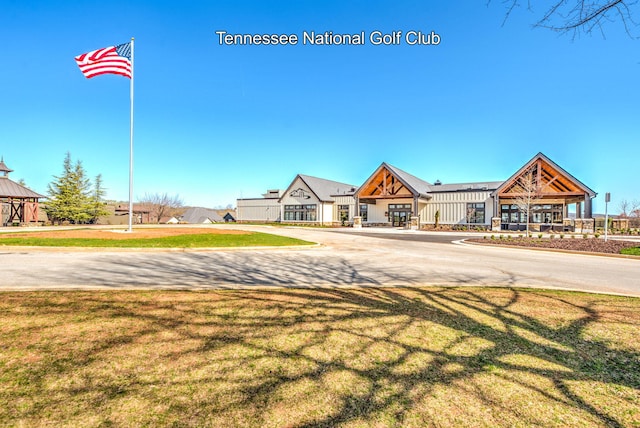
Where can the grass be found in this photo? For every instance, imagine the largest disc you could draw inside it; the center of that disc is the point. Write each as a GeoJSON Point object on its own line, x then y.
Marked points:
{"type": "Point", "coordinates": [203, 240]}
{"type": "Point", "coordinates": [325, 357]}
{"type": "Point", "coordinates": [635, 251]}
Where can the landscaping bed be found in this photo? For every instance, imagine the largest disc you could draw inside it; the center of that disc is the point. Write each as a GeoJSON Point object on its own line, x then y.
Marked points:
{"type": "Point", "coordinates": [593, 245]}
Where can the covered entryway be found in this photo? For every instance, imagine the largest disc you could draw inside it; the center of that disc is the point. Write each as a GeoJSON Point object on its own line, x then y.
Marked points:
{"type": "Point", "coordinates": [540, 195]}
{"type": "Point", "coordinates": [391, 197]}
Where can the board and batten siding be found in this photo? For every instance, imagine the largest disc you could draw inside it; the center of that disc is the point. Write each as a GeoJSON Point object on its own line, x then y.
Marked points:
{"type": "Point", "coordinates": [453, 207]}
{"type": "Point", "coordinates": [259, 209]}
{"type": "Point", "coordinates": [343, 200]}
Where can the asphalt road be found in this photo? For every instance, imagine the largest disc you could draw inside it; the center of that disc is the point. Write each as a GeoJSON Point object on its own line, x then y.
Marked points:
{"type": "Point", "coordinates": [346, 258]}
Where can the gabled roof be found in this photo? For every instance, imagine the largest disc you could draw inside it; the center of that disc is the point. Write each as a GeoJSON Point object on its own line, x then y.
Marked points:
{"type": "Point", "coordinates": [199, 215]}
{"type": "Point", "coordinates": [564, 175]}
{"type": "Point", "coordinates": [323, 189]}
{"type": "Point", "coordinates": [420, 186]}
{"type": "Point", "coordinates": [11, 189]}
{"type": "Point", "coordinates": [412, 183]}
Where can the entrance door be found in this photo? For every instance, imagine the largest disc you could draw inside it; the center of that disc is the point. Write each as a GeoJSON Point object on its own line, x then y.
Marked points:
{"type": "Point", "coordinates": [399, 214]}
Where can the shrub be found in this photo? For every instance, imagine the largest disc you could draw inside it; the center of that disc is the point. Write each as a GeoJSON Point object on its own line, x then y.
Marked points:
{"type": "Point", "coordinates": [493, 237]}
{"type": "Point", "coordinates": [562, 236]}
{"type": "Point", "coordinates": [539, 235]}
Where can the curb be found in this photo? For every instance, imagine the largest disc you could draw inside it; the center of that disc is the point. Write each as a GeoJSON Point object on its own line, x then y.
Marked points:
{"type": "Point", "coordinates": [38, 249]}
{"type": "Point", "coordinates": [551, 250]}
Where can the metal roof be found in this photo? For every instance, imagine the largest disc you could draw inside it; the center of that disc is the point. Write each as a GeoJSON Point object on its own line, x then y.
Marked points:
{"type": "Point", "coordinates": [416, 184]}
{"type": "Point", "coordinates": [466, 187]}
{"type": "Point", "coordinates": [4, 167]}
{"type": "Point", "coordinates": [11, 189]}
{"type": "Point", "coordinates": [325, 190]}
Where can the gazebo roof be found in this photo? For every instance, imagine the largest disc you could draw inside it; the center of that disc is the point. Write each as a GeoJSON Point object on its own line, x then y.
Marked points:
{"type": "Point", "coordinates": [3, 167]}
{"type": "Point", "coordinates": [11, 189]}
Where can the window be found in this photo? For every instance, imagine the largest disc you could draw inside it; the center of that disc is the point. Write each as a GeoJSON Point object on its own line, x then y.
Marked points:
{"type": "Point", "coordinates": [540, 213]}
{"type": "Point", "coordinates": [399, 207]}
{"type": "Point", "coordinates": [475, 212]}
{"type": "Point", "coordinates": [504, 213]}
{"type": "Point", "coordinates": [300, 212]}
{"type": "Point", "coordinates": [343, 213]}
{"type": "Point", "coordinates": [364, 211]}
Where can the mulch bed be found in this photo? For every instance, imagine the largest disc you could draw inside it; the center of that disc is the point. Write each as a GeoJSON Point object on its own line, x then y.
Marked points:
{"type": "Point", "coordinates": [577, 244]}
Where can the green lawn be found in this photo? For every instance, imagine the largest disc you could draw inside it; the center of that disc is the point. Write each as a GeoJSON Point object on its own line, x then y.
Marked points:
{"type": "Point", "coordinates": [203, 240]}
{"type": "Point", "coordinates": [409, 357]}
{"type": "Point", "coordinates": [635, 251]}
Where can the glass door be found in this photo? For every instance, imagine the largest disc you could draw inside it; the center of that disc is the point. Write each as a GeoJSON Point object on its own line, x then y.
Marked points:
{"type": "Point", "coordinates": [399, 214]}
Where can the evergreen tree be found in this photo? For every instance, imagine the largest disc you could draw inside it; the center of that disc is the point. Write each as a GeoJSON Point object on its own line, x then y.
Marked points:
{"type": "Point", "coordinates": [81, 211]}
{"type": "Point", "coordinates": [97, 200]}
{"type": "Point", "coordinates": [70, 194]}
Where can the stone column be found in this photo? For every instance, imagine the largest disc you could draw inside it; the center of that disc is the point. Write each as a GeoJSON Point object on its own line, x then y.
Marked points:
{"type": "Point", "coordinates": [567, 223]}
{"type": "Point", "coordinates": [495, 224]}
{"type": "Point", "coordinates": [357, 222]}
{"type": "Point", "coordinates": [415, 222]}
{"type": "Point", "coordinates": [588, 225]}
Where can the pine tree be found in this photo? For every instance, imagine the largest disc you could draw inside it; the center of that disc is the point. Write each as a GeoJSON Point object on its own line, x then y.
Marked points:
{"type": "Point", "coordinates": [81, 210]}
{"type": "Point", "coordinates": [97, 204]}
{"type": "Point", "coordinates": [70, 197]}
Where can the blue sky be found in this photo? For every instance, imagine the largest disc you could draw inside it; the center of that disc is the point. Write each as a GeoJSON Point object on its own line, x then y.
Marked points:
{"type": "Point", "coordinates": [215, 122]}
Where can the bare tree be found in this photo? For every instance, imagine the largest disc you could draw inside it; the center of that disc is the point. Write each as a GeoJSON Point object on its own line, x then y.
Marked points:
{"type": "Point", "coordinates": [161, 205]}
{"type": "Point", "coordinates": [470, 215]}
{"type": "Point", "coordinates": [633, 213]}
{"type": "Point", "coordinates": [579, 16]}
{"type": "Point", "coordinates": [624, 208]}
{"type": "Point", "coordinates": [527, 192]}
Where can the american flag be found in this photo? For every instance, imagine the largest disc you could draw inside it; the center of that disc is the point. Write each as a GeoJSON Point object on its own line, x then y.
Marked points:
{"type": "Point", "coordinates": [111, 60]}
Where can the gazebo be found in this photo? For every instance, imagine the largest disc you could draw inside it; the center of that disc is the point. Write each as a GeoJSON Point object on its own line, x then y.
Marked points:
{"type": "Point", "coordinates": [19, 204]}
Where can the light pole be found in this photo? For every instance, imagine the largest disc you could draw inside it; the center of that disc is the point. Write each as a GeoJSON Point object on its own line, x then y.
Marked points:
{"type": "Point", "coordinates": [607, 199]}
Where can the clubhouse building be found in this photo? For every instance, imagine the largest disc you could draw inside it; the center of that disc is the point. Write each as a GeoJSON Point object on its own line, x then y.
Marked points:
{"type": "Point", "coordinates": [540, 192]}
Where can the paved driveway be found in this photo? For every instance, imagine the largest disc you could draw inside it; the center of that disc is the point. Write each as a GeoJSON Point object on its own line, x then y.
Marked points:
{"type": "Point", "coordinates": [345, 258]}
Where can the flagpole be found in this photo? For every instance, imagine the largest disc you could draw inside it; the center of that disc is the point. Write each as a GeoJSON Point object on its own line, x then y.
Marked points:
{"type": "Point", "coordinates": [131, 145]}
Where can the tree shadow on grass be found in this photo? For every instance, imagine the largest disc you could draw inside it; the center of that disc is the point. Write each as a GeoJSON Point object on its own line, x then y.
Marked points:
{"type": "Point", "coordinates": [332, 357]}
